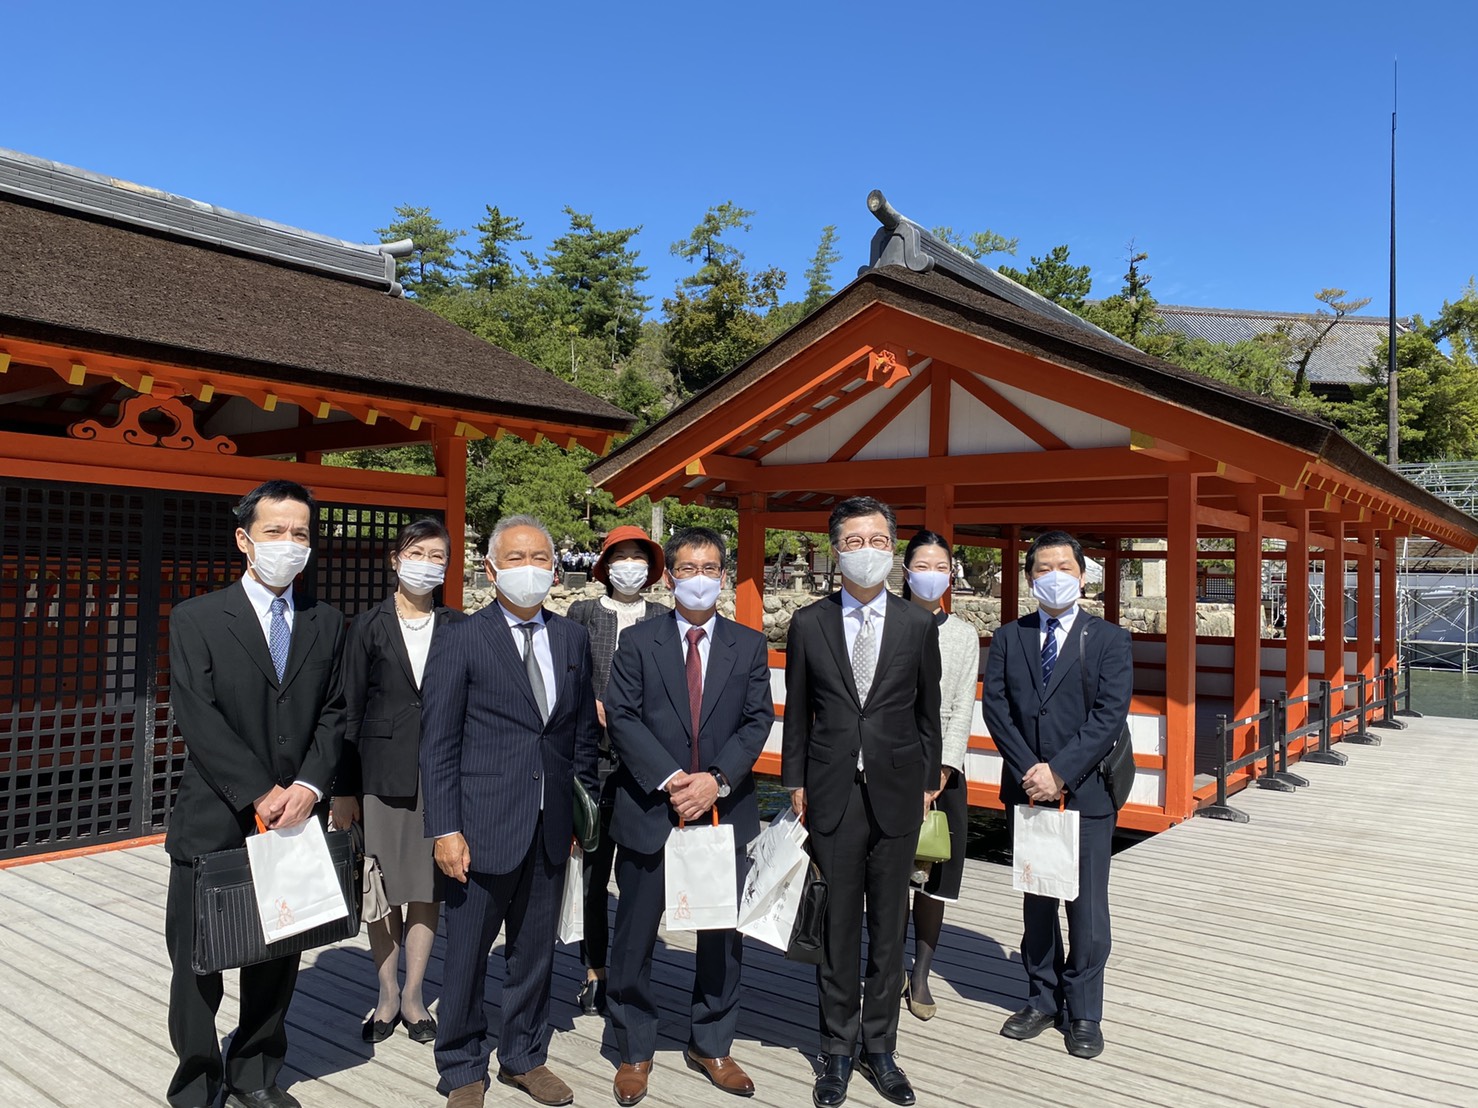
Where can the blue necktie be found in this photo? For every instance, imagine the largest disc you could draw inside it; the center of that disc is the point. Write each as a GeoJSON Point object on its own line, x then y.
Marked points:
{"type": "Point", "coordinates": [1049, 650]}
{"type": "Point", "coordinates": [279, 638]}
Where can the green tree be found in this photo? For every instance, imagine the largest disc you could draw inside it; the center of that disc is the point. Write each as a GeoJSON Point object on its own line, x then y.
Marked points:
{"type": "Point", "coordinates": [1437, 402]}
{"type": "Point", "coordinates": [491, 266]}
{"type": "Point", "coordinates": [715, 318]}
{"type": "Point", "coordinates": [977, 244]}
{"type": "Point", "coordinates": [598, 276]}
{"type": "Point", "coordinates": [1129, 314]}
{"type": "Point", "coordinates": [1056, 278]}
{"type": "Point", "coordinates": [431, 269]}
{"type": "Point", "coordinates": [1457, 325]}
{"type": "Point", "coordinates": [1306, 336]}
{"type": "Point", "coordinates": [818, 273]}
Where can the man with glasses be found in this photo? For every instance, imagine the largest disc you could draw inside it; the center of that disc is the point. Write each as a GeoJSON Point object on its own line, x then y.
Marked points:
{"type": "Point", "coordinates": [862, 745]}
{"type": "Point", "coordinates": [688, 709]}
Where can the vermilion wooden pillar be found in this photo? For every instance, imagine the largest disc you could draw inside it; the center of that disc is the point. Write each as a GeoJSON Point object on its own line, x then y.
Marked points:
{"type": "Point", "coordinates": [1390, 645]}
{"type": "Point", "coordinates": [939, 502]}
{"type": "Point", "coordinates": [1112, 601]}
{"type": "Point", "coordinates": [1296, 616]}
{"type": "Point", "coordinates": [1334, 615]}
{"type": "Point", "coordinates": [1247, 619]}
{"type": "Point", "coordinates": [1365, 603]}
{"type": "Point", "coordinates": [450, 453]}
{"type": "Point", "coordinates": [1011, 574]}
{"type": "Point", "coordinates": [1180, 646]}
{"type": "Point", "coordinates": [749, 582]}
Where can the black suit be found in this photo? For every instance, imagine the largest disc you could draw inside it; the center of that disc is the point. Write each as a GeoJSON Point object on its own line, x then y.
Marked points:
{"type": "Point", "coordinates": [864, 826]}
{"type": "Point", "coordinates": [1056, 724]}
{"type": "Point", "coordinates": [382, 734]}
{"type": "Point", "coordinates": [245, 732]}
{"type": "Point", "coordinates": [651, 726]}
{"type": "Point", "coordinates": [493, 770]}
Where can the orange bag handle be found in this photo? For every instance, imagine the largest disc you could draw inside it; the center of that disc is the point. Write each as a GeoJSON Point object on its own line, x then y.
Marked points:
{"type": "Point", "coordinates": [712, 811]}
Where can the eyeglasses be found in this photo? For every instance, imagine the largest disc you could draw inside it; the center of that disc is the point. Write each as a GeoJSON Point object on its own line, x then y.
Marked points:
{"type": "Point", "coordinates": [857, 542]}
{"type": "Point", "coordinates": [688, 570]}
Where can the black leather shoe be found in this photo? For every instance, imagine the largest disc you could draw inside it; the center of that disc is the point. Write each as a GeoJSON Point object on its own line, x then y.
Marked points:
{"type": "Point", "coordinates": [374, 1031]}
{"type": "Point", "coordinates": [261, 1098]}
{"type": "Point", "coordinates": [882, 1070]}
{"type": "Point", "coordinates": [1027, 1023]}
{"type": "Point", "coordinates": [422, 1031]}
{"type": "Point", "coordinates": [831, 1086]}
{"type": "Point", "coordinates": [592, 997]}
{"type": "Point", "coordinates": [1084, 1039]}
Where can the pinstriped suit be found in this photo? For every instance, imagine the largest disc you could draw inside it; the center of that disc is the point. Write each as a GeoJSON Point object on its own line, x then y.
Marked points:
{"type": "Point", "coordinates": [487, 763]}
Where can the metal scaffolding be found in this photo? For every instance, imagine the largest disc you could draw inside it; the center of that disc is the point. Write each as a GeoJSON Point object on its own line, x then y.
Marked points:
{"type": "Point", "coordinates": [1438, 598]}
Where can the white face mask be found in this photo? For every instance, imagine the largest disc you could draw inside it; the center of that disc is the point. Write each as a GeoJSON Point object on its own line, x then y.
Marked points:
{"type": "Point", "coordinates": [419, 578]}
{"type": "Point", "coordinates": [697, 593]}
{"type": "Point", "coordinates": [866, 567]}
{"type": "Point", "coordinates": [524, 586]}
{"type": "Point", "coordinates": [277, 563]}
{"type": "Point", "coordinates": [1056, 589]}
{"type": "Point", "coordinates": [628, 577]}
{"type": "Point", "coordinates": [928, 584]}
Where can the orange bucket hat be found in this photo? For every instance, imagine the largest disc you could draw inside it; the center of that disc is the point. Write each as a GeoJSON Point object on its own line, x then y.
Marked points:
{"type": "Point", "coordinates": [656, 563]}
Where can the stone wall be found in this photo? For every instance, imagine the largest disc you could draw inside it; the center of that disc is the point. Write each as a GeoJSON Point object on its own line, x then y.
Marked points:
{"type": "Point", "coordinates": [1143, 614]}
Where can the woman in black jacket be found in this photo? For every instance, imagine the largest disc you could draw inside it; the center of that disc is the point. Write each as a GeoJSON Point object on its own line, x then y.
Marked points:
{"type": "Point", "coordinates": [379, 770]}
{"type": "Point", "coordinates": [629, 561]}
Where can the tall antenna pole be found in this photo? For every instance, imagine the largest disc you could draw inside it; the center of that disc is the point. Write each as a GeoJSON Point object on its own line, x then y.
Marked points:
{"type": "Point", "coordinates": [1393, 450]}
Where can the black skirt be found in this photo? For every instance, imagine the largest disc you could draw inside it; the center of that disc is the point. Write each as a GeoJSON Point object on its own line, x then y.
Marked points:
{"type": "Point", "coordinates": [945, 877]}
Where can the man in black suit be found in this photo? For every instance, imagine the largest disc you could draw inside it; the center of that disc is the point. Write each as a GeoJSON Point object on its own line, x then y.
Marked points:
{"type": "Point", "coordinates": [508, 723]}
{"type": "Point", "coordinates": [862, 746]}
{"type": "Point", "coordinates": [256, 688]}
{"type": "Point", "coordinates": [689, 708]}
{"type": "Point", "coordinates": [1052, 740]}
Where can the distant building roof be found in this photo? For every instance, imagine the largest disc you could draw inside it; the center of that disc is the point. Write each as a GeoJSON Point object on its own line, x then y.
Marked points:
{"type": "Point", "coordinates": [1338, 360]}
{"type": "Point", "coordinates": [107, 266]}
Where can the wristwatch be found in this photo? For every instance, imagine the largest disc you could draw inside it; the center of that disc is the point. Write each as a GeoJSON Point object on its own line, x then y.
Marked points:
{"type": "Point", "coordinates": [723, 783]}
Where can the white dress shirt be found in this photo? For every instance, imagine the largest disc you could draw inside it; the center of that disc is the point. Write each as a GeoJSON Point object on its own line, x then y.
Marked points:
{"type": "Point", "coordinates": [703, 647]}
{"type": "Point", "coordinates": [261, 598]}
{"type": "Point", "coordinates": [1064, 627]}
{"type": "Point", "coordinates": [853, 614]}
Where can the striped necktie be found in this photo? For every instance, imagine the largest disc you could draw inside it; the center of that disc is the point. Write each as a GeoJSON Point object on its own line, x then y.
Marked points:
{"type": "Point", "coordinates": [1049, 650]}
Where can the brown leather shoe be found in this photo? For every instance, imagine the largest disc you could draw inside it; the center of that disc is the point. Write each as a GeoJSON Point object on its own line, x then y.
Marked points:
{"type": "Point", "coordinates": [725, 1073]}
{"type": "Point", "coordinates": [540, 1083]}
{"type": "Point", "coordinates": [467, 1096]}
{"type": "Point", "coordinates": [631, 1082]}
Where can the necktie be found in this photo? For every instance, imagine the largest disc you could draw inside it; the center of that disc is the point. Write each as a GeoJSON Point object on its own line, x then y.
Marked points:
{"type": "Point", "coordinates": [531, 667]}
{"type": "Point", "coordinates": [1049, 650]}
{"type": "Point", "coordinates": [279, 638]}
{"type": "Point", "coordinates": [864, 655]}
{"type": "Point", "coordinates": [694, 667]}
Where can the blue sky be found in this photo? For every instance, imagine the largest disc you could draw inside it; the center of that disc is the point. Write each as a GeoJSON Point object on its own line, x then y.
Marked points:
{"type": "Point", "coordinates": [1244, 147]}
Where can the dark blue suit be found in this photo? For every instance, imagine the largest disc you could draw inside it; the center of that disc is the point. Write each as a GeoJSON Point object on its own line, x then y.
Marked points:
{"type": "Point", "coordinates": [1056, 724]}
{"type": "Point", "coordinates": [487, 760]}
{"type": "Point", "coordinates": [650, 723]}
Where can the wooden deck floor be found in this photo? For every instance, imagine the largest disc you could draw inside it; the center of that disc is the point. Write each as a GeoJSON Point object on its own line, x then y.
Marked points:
{"type": "Point", "coordinates": [1322, 954]}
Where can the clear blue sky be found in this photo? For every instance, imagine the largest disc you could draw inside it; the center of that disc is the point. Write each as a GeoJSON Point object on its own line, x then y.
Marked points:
{"type": "Point", "coordinates": [1243, 146]}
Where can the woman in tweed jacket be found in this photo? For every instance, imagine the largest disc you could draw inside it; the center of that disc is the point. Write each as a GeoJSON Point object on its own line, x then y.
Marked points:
{"type": "Point", "coordinates": [926, 560]}
{"type": "Point", "coordinates": [629, 561]}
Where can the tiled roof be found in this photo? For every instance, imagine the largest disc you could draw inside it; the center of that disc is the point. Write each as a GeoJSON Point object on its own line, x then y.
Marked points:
{"type": "Point", "coordinates": [1338, 360]}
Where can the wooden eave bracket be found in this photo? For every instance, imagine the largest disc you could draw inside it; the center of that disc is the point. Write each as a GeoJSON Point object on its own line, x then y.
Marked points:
{"type": "Point", "coordinates": [888, 364]}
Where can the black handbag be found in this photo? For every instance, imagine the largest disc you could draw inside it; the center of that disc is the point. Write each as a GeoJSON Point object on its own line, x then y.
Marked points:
{"type": "Point", "coordinates": [228, 925]}
{"type": "Point", "coordinates": [587, 818]}
{"type": "Point", "coordinates": [1117, 767]}
{"type": "Point", "coordinates": [810, 920]}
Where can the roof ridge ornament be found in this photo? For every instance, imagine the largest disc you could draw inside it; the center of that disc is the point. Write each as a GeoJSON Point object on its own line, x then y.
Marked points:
{"type": "Point", "coordinates": [898, 241]}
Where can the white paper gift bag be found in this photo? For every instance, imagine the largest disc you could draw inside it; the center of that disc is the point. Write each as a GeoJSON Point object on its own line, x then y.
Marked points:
{"type": "Point", "coordinates": [702, 883]}
{"type": "Point", "coordinates": [773, 886]}
{"type": "Point", "coordinates": [572, 903]}
{"type": "Point", "coordinates": [1044, 852]}
{"type": "Point", "coordinates": [294, 879]}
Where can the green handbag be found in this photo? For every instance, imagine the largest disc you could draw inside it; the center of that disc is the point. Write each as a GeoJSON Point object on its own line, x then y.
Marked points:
{"type": "Point", "coordinates": [587, 818]}
{"type": "Point", "coordinates": [933, 838]}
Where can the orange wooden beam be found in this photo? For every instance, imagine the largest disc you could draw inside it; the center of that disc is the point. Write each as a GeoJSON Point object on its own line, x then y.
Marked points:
{"type": "Point", "coordinates": [983, 392]}
{"type": "Point", "coordinates": [1180, 647]}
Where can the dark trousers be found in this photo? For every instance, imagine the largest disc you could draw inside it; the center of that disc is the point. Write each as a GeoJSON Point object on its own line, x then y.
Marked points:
{"type": "Point", "coordinates": [596, 944]}
{"type": "Point", "coordinates": [862, 867]}
{"type": "Point", "coordinates": [1070, 980]}
{"type": "Point", "coordinates": [641, 880]}
{"type": "Point", "coordinates": [259, 1043]}
{"type": "Point", "coordinates": [526, 902]}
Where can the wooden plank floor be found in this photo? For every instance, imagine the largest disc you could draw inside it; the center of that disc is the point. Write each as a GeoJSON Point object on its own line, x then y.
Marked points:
{"type": "Point", "coordinates": [1322, 954]}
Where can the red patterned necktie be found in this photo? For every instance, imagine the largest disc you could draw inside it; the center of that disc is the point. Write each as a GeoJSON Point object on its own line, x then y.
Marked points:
{"type": "Point", "coordinates": [695, 685]}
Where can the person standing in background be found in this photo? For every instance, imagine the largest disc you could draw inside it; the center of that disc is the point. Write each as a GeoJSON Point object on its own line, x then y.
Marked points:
{"type": "Point", "coordinates": [384, 668]}
{"type": "Point", "coordinates": [629, 562]}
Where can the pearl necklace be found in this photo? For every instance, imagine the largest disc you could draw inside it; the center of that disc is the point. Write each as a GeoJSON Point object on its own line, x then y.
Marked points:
{"type": "Point", "coordinates": [412, 624]}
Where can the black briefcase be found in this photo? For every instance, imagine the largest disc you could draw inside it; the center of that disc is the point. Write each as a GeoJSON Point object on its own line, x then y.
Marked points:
{"type": "Point", "coordinates": [808, 936]}
{"type": "Point", "coordinates": [228, 926]}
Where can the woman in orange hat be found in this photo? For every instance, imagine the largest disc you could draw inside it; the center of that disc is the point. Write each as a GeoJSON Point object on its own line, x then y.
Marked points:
{"type": "Point", "coordinates": [629, 562]}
